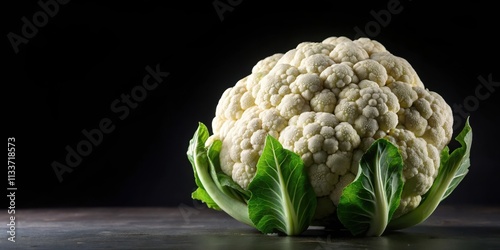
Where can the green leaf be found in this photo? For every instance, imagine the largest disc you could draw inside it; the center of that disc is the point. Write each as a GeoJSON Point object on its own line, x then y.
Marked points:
{"type": "Point", "coordinates": [197, 149]}
{"type": "Point", "coordinates": [202, 195]}
{"type": "Point", "coordinates": [452, 170]}
{"type": "Point", "coordinates": [210, 190]}
{"type": "Point", "coordinates": [457, 164]}
{"type": "Point", "coordinates": [197, 152]}
{"type": "Point", "coordinates": [368, 203]}
{"type": "Point", "coordinates": [282, 201]}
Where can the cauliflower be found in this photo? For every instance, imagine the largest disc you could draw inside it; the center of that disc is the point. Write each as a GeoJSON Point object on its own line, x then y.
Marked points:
{"type": "Point", "coordinates": [328, 101]}
{"type": "Point", "coordinates": [338, 132]}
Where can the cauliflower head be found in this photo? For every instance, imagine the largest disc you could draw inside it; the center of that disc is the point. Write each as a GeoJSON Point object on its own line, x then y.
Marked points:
{"type": "Point", "coordinates": [328, 102]}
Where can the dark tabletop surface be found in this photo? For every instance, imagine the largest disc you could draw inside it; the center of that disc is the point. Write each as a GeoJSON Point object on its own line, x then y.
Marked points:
{"type": "Point", "coordinates": [196, 227]}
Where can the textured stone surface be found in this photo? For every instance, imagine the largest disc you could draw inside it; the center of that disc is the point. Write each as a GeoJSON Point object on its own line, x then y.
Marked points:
{"type": "Point", "coordinates": [188, 227]}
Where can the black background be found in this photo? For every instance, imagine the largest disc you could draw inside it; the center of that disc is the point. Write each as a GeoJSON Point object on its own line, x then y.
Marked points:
{"type": "Point", "coordinates": [90, 53]}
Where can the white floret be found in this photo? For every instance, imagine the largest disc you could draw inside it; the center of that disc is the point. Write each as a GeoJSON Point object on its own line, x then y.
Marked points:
{"type": "Point", "coordinates": [348, 52]}
{"type": "Point", "coordinates": [307, 85]}
{"type": "Point", "coordinates": [370, 108]}
{"type": "Point", "coordinates": [322, 179]}
{"type": "Point", "coordinates": [338, 76]}
{"type": "Point", "coordinates": [421, 163]}
{"type": "Point", "coordinates": [369, 45]}
{"type": "Point", "coordinates": [398, 69]}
